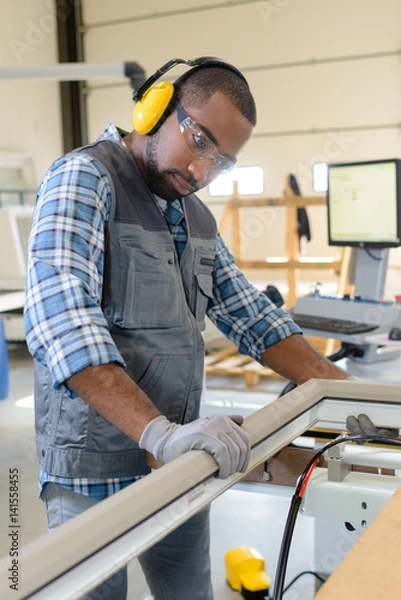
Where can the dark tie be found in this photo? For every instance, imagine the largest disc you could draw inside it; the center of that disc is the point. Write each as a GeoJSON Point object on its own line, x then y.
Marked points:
{"type": "Point", "coordinates": [174, 216]}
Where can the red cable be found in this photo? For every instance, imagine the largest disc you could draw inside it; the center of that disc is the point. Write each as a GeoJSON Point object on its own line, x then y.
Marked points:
{"type": "Point", "coordinates": [306, 479]}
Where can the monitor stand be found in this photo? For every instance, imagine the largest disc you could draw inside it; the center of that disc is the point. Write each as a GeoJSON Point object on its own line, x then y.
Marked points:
{"type": "Point", "coordinates": [370, 273]}
{"type": "Point", "coordinates": [369, 281]}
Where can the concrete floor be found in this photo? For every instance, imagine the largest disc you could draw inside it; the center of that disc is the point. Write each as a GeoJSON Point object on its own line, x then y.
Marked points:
{"type": "Point", "coordinates": [244, 515]}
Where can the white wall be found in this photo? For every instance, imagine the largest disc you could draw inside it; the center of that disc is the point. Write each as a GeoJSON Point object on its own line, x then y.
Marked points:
{"type": "Point", "coordinates": [309, 110]}
{"type": "Point", "coordinates": [30, 110]}
{"type": "Point", "coordinates": [350, 96]}
{"type": "Point", "coordinates": [339, 94]}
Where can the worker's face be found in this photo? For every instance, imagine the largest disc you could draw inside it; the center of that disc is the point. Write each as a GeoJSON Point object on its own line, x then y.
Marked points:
{"type": "Point", "coordinates": [172, 170]}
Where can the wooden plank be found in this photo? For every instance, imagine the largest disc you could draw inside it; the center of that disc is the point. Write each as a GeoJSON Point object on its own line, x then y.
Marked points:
{"type": "Point", "coordinates": [229, 362]}
{"type": "Point", "coordinates": [293, 262]}
{"type": "Point", "coordinates": [219, 355]}
{"type": "Point", "coordinates": [284, 201]}
{"type": "Point", "coordinates": [283, 263]}
{"type": "Point", "coordinates": [236, 227]}
{"type": "Point", "coordinates": [234, 362]}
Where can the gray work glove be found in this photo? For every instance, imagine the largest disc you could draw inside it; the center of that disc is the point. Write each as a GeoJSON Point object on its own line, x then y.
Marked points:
{"type": "Point", "coordinates": [364, 426]}
{"type": "Point", "coordinates": [219, 435]}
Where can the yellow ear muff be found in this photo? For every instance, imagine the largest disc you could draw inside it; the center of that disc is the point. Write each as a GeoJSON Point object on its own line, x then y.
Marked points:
{"type": "Point", "coordinates": [150, 108]}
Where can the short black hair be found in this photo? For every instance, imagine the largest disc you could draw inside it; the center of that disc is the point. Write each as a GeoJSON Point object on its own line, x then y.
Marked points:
{"type": "Point", "coordinates": [197, 85]}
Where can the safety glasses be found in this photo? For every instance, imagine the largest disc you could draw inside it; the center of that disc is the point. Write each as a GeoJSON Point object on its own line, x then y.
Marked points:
{"type": "Point", "coordinates": [199, 144]}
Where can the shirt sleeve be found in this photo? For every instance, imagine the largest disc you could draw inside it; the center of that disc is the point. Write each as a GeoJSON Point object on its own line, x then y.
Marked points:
{"type": "Point", "coordinates": [64, 324]}
{"type": "Point", "coordinates": [244, 314]}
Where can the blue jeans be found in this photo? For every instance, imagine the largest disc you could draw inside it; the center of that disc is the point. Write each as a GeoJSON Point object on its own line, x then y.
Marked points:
{"type": "Point", "coordinates": [177, 568]}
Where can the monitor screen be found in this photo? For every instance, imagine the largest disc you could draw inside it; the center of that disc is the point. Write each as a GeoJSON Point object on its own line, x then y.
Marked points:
{"type": "Point", "coordinates": [364, 204]}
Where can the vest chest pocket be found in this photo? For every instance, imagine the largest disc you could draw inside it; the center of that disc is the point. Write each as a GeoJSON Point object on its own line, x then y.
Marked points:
{"type": "Point", "coordinates": [153, 296]}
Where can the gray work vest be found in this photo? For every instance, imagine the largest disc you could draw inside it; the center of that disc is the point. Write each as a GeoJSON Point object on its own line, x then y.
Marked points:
{"type": "Point", "coordinates": [155, 307]}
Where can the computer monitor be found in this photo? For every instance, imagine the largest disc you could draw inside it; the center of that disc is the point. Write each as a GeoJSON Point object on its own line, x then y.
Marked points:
{"type": "Point", "coordinates": [364, 204]}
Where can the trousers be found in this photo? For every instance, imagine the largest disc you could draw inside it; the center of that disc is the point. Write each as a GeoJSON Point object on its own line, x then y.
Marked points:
{"type": "Point", "coordinates": [176, 568]}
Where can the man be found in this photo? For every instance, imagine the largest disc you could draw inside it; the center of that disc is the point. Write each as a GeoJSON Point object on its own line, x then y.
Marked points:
{"type": "Point", "coordinates": [124, 263]}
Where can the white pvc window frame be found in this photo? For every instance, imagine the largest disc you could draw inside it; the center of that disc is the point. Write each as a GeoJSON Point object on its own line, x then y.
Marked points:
{"type": "Point", "coordinates": [80, 554]}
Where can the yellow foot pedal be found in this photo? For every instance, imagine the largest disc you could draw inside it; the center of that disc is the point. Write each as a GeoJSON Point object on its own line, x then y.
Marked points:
{"type": "Point", "coordinates": [245, 573]}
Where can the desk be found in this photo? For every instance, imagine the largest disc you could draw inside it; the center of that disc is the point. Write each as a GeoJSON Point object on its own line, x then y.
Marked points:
{"type": "Point", "coordinates": [386, 371]}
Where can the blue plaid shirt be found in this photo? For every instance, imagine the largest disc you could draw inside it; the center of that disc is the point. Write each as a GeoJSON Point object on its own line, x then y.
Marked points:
{"type": "Point", "coordinates": [64, 324]}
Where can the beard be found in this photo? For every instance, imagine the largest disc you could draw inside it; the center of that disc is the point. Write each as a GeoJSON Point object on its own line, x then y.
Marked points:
{"type": "Point", "coordinates": [158, 181]}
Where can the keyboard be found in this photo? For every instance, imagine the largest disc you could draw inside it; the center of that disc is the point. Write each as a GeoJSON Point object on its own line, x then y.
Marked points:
{"type": "Point", "coordinates": [332, 324]}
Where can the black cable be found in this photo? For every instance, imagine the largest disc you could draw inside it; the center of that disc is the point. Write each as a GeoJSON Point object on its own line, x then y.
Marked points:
{"type": "Point", "coordinates": [297, 499]}
{"type": "Point", "coordinates": [287, 388]}
{"type": "Point", "coordinates": [285, 547]}
{"type": "Point", "coordinates": [345, 350]}
{"type": "Point", "coordinates": [372, 256]}
{"type": "Point", "coordinates": [322, 579]}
